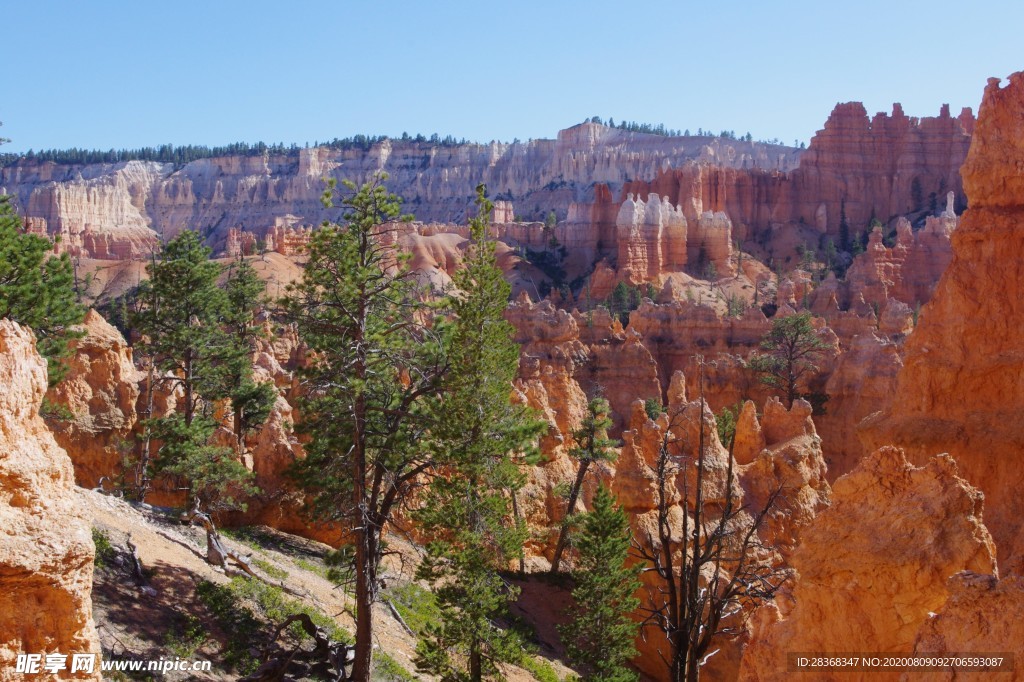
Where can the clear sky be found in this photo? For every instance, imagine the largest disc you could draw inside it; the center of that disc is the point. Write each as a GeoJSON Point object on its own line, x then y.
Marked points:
{"type": "Point", "coordinates": [126, 74]}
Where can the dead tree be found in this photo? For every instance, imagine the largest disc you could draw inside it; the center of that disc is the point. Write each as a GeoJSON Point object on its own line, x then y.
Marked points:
{"type": "Point", "coordinates": [217, 554]}
{"type": "Point", "coordinates": [329, 660]}
{"type": "Point", "coordinates": [720, 567]}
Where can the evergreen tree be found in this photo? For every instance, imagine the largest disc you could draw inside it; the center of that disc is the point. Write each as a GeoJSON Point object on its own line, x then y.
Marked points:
{"type": "Point", "coordinates": [250, 402]}
{"type": "Point", "coordinates": [378, 362]}
{"type": "Point", "coordinates": [788, 353]}
{"type": "Point", "coordinates": [592, 445]}
{"type": "Point", "coordinates": [467, 509]}
{"type": "Point", "coordinates": [37, 290]}
{"type": "Point", "coordinates": [183, 315]}
{"type": "Point", "coordinates": [600, 637]}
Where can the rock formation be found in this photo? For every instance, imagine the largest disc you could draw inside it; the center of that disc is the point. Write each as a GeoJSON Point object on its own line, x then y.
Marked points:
{"type": "Point", "coordinates": [100, 391]}
{"type": "Point", "coordinates": [960, 388]}
{"type": "Point", "coordinates": [789, 460]}
{"type": "Point", "coordinates": [46, 556]}
{"type": "Point", "coordinates": [875, 564]}
{"type": "Point", "coordinates": [125, 206]}
{"type": "Point", "coordinates": [884, 166]}
{"type": "Point", "coordinates": [651, 237]}
{"type": "Point", "coordinates": [982, 615]}
{"type": "Point", "coordinates": [907, 272]}
{"type": "Point", "coordinates": [788, 457]}
{"type": "Point", "coordinates": [861, 383]}
{"type": "Point", "coordinates": [881, 167]}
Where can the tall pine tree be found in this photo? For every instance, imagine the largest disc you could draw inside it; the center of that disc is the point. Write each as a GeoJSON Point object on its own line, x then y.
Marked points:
{"type": "Point", "coordinates": [183, 316]}
{"type": "Point", "coordinates": [467, 509]}
{"type": "Point", "coordinates": [592, 445]}
{"type": "Point", "coordinates": [600, 637]}
{"type": "Point", "coordinates": [378, 361]}
{"type": "Point", "coordinates": [251, 402]}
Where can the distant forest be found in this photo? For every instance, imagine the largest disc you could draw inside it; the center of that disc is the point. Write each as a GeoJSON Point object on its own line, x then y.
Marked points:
{"type": "Point", "coordinates": [660, 129]}
{"type": "Point", "coordinates": [180, 155]}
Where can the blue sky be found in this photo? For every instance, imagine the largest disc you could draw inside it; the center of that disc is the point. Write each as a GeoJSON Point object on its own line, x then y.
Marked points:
{"type": "Point", "coordinates": [127, 74]}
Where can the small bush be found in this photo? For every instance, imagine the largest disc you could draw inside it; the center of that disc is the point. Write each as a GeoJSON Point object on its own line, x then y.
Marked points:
{"type": "Point", "coordinates": [270, 569]}
{"type": "Point", "coordinates": [652, 406]}
{"type": "Point", "coordinates": [105, 551]}
{"type": "Point", "coordinates": [539, 668]}
{"type": "Point", "coordinates": [417, 606]}
{"type": "Point", "coordinates": [387, 669]}
{"type": "Point", "coordinates": [185, 637]}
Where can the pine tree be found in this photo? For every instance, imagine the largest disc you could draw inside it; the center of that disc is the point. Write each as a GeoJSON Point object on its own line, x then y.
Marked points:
{"type": "Point", "coordinates": [788, 354]}
{"type": "Point", "coordinates": [600, 637]}
{"type": "Point", "coordinates": [37, 290]}
{"type": "Point", "coordinates": [183, 315]}
{"type": "Point", "coordinates": [467, 509]}
{"type": "Point", "coordinates": [592, 445]}
{"type": "Point", "coordinates": [378, 362]}
{"type": "Point", "coordinates": [251, 402]}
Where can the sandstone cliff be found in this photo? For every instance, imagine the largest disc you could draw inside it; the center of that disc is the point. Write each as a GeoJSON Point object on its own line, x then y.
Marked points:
{"type": "Point", "coordinates": [981, 615]}
{"type": "Point", "coordinates": [46, 555]}
{"type": "Point", "coordinates": [881, 167]}
{"type": "Point", "coordinates": [960, 389]}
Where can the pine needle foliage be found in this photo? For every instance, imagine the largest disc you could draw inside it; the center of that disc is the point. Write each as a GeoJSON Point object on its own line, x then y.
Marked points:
{"type": "Point", "coordinates": [789, 353]}
{"type": "Point", "coordinates": [467, 510]}
{"type": "Point", "coordinates": [184, 318]}
{"type": "Point", "coordinates": [592, 445]}
{"type": "Point", "coordinates": [600, 637]}
{"type": "Point", "coordinates": [377, 362]}
{"type": "Point", "coordinates": [37, 290]}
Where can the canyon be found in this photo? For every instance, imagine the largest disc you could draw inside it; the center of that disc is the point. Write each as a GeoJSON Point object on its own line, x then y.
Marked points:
{"type": "Point", "coordinates": [897, 531]}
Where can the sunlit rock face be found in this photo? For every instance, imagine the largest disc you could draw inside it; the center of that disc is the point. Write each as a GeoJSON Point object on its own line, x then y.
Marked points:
{"type": "Point", "coordinates": [874, 565]}
{"type": "Point", "coordinates": [46, 554]}
{"type": "Point", "coordinates": [960, 388]}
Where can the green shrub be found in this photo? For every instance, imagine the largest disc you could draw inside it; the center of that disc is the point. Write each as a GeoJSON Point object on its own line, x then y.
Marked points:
{"type": "Point", "coordinates": [105, 551]}
{"type": "Point", "coordinates": [387, 669]}
{"type": "Point", "coordinates": [185, 637]}
{"type": "Point", "coordinates": [539, 668]}
{"type": "Point", "coordinates": [416, 604]}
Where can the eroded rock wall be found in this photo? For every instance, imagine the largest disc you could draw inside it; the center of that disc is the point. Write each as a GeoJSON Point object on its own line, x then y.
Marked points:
{"type": "Point", "coordinates": [46, 554]}
{"type": "Point", "coordinates": [118, 210]}
{"type": "Point", "coordinates": [874, 565]}
{"type": "Point", "coordinates": [960, 389]}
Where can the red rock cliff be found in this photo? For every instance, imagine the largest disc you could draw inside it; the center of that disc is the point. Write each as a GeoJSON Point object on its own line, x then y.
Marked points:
{"type": "Point", "coordinates": [960, 389]}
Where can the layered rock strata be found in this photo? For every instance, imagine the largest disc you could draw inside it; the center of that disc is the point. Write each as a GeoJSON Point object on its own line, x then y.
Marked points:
{"type": "Point", "coordinates": [126, 206]}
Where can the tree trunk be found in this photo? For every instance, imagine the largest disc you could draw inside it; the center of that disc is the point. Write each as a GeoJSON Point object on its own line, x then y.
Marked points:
{"type": "Point", "coordinates": [142, 480]}
{"type": "Point", "coordinates": [476, 668]}
{"type": "Point", "coordinates": [239, 432]}
{"type": "Point", "coordinates": [574, 494]}
{"type": "Point", "coordinates": [518, 519]}
{"type": "Point", "coordinates": [365, 590]}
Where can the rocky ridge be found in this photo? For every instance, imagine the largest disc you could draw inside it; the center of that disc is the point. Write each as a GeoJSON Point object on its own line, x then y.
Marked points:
{"type": "Point", "coordinates": [118, 210]}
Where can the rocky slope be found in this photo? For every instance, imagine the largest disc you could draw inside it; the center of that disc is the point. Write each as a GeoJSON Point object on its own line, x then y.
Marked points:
{"type": "Point", "coordinates": [99, 394]}
{"type": "Point", "coordinates": [46, 554]}
{"type": "Point", "coordinates": [959, 390]}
